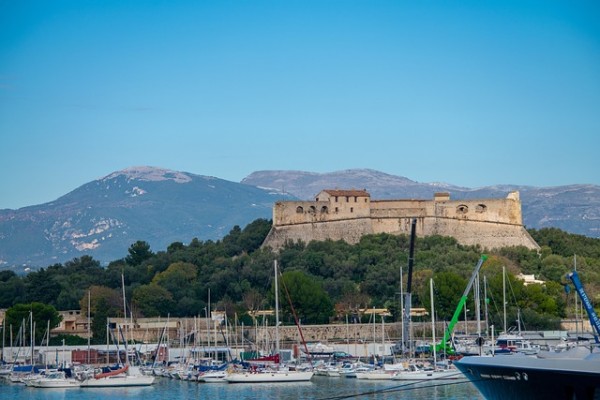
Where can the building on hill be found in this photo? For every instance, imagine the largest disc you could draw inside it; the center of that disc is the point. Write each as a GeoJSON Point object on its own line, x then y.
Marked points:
{"type": "Point", "coordinates": [72, 323]}
{"type": "Point", "coordinates": [350, 214]}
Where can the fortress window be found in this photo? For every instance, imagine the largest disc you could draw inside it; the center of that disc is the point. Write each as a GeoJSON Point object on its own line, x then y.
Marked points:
{"type": "Point", "coordinates": [324, 209]}
{"type": "Point", "coordinates": [347, 199]}
{"type": "Point", "coordinates": [351, 209]}
{"type": "Point", "coordinates": [312, 210]}
{"type": "Point", "coordinates": [336, 209]}
{"type": "Point", "coordinates": [481, 208]}
{"type": "Point", "coordinates": [336, 199]}
{"type": "Point", "coordinates": [462, 209]}
{"type": "Point", "coordinates": [299, 210]}
{"type": "Point", "coordinates": [355, 199]}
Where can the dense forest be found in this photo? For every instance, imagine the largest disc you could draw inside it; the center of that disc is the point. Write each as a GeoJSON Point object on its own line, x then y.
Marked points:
{"type": "Point", "coordinates": [325, 281]}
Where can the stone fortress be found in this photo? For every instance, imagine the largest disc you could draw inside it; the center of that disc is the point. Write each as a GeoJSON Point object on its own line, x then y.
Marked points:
{"type": "Point", "coordinates": [349, 214]}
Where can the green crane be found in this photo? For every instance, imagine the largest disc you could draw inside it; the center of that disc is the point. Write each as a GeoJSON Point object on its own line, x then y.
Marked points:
{"type": "Point", "coordinates": [444, 346]}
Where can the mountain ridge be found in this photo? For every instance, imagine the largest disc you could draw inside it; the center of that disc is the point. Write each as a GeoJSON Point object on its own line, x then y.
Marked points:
{"type": "Point", "coordinates": [102, 218]}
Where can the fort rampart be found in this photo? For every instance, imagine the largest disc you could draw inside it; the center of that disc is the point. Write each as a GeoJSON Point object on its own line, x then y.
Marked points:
{"type": "Point", "coordinates": [349, 214]}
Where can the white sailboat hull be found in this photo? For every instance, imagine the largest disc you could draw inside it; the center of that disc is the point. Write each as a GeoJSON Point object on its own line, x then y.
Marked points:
{"type": "Point", "coordinates": [427, 375]}
{"type": "Point", "coordinates": [379, 375]}
{"type": "Point", "coordinates": [118, 380]}
{"type": "Point", "coordinates": [271, 376]}
{"type": "Point", "coordinates": [213, 377]}
{"type": "Point", "coordinates": [131, 376]}
{"type": "Point", "coordinates": [56, 383]}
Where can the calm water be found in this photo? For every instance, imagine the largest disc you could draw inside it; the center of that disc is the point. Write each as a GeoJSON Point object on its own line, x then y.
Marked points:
{"type": "Point", "coordinates": [319, 388]}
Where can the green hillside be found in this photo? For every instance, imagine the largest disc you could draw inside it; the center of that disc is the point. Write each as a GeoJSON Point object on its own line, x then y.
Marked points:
{"type": "Point", "coordinates": [325, 280]}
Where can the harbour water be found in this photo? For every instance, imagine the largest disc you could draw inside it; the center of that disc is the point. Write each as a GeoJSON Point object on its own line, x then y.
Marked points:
{"type": "Point", "coordinates": [322, 388]}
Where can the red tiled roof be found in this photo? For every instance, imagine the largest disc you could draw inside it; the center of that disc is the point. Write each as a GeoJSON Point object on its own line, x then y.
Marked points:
{"type": "Point", "coordinates": [352, 192]}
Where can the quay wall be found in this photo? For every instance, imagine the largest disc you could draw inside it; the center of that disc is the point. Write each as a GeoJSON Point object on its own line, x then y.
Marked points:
{"type": "Point", "coordinates": [150, 330]}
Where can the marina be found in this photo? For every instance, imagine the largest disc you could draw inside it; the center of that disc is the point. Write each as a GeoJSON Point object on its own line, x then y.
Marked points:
{"type": "Point", "coordinates": [317, 388]}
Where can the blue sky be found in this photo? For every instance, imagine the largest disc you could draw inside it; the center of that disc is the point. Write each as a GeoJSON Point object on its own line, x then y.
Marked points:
{"type": "Point", "coordinates": [472, 93]}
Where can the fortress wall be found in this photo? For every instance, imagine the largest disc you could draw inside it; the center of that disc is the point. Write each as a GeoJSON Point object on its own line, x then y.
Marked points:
{"type": "Point", "coordinates": [398, 226]}
{"type": "Point", "coordinates": [288, 212]}
{"type": "Point", "coordinates": [398, 208]}
{"type": "Point", "coordinates": [348, 230]}
{"type": "Point", "coordinates": [490, 223]}
{"type": "Point", "coordinates": [484, 233]}
{"type": "Point", "coordinates": [300, 212]}
{"type": "Point", "coordinates": [499, 210]}
{"type": "Point", "coordinates": [496, 210]}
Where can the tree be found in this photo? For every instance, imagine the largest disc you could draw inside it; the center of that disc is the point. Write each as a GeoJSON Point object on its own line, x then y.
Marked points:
{"type": "Point", "coordinates": [12, 289]}
{"type": "Point", "coordinates": [178, 280]}
{"type": "Point", "coordinates": [102, 299]}
{"type": "Point", "coordinates": [254, 235]}
{"type": "Point", "coordinates": [448, 288]}
{"type": "Point", "coordinates": [138, 252]}
{"type": "Point", "coordinates": [40, 313]}
{"type": "Point", "coordinates": [41, 286]}
{"type": "Point", "coordinates": [99, 321]}
{"type": "Point", "coordinates": [104, 303]}
{"type": "Point", "coordinates": [174, 247]}
{"type": "Point", "coordinates": [310, 301]}
{"type": "Point", "coordinates": [252, 300]}
{"type": "Point", "coordinates": [153, 300]}
{"type": "Point", "coordinates": [231, 242]}
{"type": "Point", "coordinates": [554, 268]}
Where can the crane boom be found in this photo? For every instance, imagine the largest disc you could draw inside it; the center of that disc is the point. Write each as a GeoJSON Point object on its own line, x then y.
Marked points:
{"type": "Point", "coordinates": [443, 345]}
{"type": "Point", "coordinates": [594, 320]}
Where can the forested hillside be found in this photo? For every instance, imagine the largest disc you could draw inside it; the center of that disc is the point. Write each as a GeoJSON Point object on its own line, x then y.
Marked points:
{"type": "Point", "coordinates": [325, 280]}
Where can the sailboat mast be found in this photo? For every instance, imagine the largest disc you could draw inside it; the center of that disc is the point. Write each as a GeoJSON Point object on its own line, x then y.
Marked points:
{"type": "Point", "coordinates": [382, 335]}
{"type": "Point", "coordinates": [208, 317]}
{"type": "Point", "coordinates": [408, 299]}
{"type": "Point", "coordinates": [347, 335]}
{"type": "Point", "coordinates": [485, 299]}
{"type": "Point", "coordinates": [125, 320]}
{"type": "Point", "coordinates": [276, 311]}
{"type": "Point", "coordinates": [402, 306]}
{"type": "Point", "coordinates": [88, 327]}
{"type": "Point", "coordinates": [47, 344]}
{"type": "Point", "coordinates": [432, 322]}
{"type": "Point", "coordinates": [3, 338]}
{"type": "Point", "coordinates": [504, 294]}
{"type": "Point", "coordinates": [31, 328]}
{"type": "Point", "coordinates": [374, 340]}
{"type": "Point", "coordinates": [478, 305]}
{"type": "Point", "coordinates": [11, 344]}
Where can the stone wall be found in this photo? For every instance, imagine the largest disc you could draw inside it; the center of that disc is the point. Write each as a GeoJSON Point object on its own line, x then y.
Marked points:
{"type": "Point", "coordinates": [350, 230]}
{"type": "Point", "coordinates": [490, 223]}
{"type": "Point", "coordinates": [289, 335]}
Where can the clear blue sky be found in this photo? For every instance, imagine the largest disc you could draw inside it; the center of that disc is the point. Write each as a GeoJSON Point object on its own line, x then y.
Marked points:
{"type": "Point", "coordinates": [472, 93]}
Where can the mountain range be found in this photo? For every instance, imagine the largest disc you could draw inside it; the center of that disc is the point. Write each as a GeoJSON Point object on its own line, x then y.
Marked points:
{"type": "Point", "coordinates": [104, 217]}
{"type": "Point", "coordinates": [572, 208]}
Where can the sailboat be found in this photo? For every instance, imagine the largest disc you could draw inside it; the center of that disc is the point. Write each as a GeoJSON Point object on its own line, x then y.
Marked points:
{"type": "Point", "coordinates": [55, 379]}
{"type": "Point", "coordinates": [414, 373]}
{"type": "Point", "coordinates": [509, 342]}
{"type": "Point", "coordinates": [271, 375]}
{"type": "Point", "coordinates": [127, 375]}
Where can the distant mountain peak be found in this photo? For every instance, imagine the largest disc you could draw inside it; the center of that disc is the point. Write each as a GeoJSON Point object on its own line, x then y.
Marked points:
{"type": "Point", "coordinates": [103, 217]}
{"type": "Point", "coordinates": [146, 173]}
